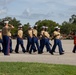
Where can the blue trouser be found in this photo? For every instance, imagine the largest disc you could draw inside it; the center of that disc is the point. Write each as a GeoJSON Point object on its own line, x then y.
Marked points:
{"type": "Point", "coordinates": [10, 45]}
{"type": "Point", "coordinates": [47, 44]}
{"type": "Point", "coordinates": [57, 42]}
{"type": "Point", "coordinates": [19, 42]}
{"type": "Point", "coordinates": [35, 41]}
{"type": "Point", "coordinates": [29, 43]}
{"type": "Point", "coordinates": [6, 45]}
{"type": "Point", "coordinates": [42, 42]}
{"type": "Point", "coordinates": [1, 41]}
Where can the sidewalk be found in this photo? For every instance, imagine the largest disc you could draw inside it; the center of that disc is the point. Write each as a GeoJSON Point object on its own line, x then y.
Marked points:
{"type": "Point", "coordinates": [68, 57]}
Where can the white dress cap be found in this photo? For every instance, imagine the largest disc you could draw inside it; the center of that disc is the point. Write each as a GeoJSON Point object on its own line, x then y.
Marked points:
{"type": "Point", "coordinates": [35, 25]}
{"type": "Point", "coordinates": [30, 27]}
{"type": "Point", "coordinates": [6, 21]}
{"type": "Point", "coordinates": [57, 27]}
{"type": "Point", "coordinates": [46, 27]}
{"type": "Point", "coordinates": [43, 26]}
{"type": "Point", "coordinates": [0, 29]}
{"type": "Point", "coordinates": [20, 26]}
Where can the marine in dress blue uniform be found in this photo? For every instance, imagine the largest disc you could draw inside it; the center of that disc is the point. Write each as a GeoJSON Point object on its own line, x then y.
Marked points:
{"type": "Point", "coordinates": [57, 41]}
{"type": "Point", "coordinates": [46, 41]}
{"type": "Point", "coordinates": [35, 40]}
{"type": "Point", "coordinates": [5, 35]}
{"type": "Point", "coordinates": [29, 39]}
{"type": "Point", "coordinates": [42, 39]}
{"type": "Point", "coordinates": [20, 40]}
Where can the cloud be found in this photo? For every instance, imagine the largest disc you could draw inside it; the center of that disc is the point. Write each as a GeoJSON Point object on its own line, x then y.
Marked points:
{"type": "Point", "coordinates": [27, 14]}
{"type": "Point", "coordinates": [64, 2]}
{"type": "Point", "coordinates": [2, 2]}
{"type": "Point", "coordinates": [5, 2]}
{"type": "Point", "coordinates": [3, 11]}
{"type": "Point", "coordinates": [70, 2]}
{"type": "Point", "coordinates": [9, 1]}
{"type": "Point", "coordinates": [58, 11]}
{"type": "Point", "coordinates": [3, 6]}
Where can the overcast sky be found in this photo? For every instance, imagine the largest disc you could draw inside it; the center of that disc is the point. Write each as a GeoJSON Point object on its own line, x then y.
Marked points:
{"type": "Point", "coordinates": [34, 10]}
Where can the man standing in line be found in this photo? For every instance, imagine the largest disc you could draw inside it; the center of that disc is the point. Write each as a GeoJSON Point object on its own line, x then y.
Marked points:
{"type": "Point", "coordinates": [35, 40]}
{"type": "Point", "coordinates": [57, 41]}
{"type": "Point", "coordinates": [5, 35]}
{"type": "Point", "coordinates": [46, 41]}
{"type": "Point", "coordinates": [29, 38]}
{"type": "Point", "coordinates": [42, 39]}
{"type": "Point", "coordinates": [20, 40]}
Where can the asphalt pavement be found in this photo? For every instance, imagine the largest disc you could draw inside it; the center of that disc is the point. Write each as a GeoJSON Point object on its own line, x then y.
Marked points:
{"type": "Point", "coordinates": [67, 58]}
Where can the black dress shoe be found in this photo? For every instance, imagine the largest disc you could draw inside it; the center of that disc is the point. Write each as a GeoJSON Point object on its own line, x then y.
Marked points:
{"type": "Point", "coordinates": [61, 53]}
{"type": "Point", "coordinates": [11, 51]}
{"type": "Point", "coordinates": [16, 52]}
{"type": "Point", "coordinates": [34, 50]}
{"type": "Point", "coordinates": [30, 52]}
{"type": "Point", "coordinates": [42, 52]}
{"type": "Point", "coordinates": [24, 51]}
{"type": "Point", "coordinates": [51, 52]}
{"type": "Point", "coordinates": [39, 53]}
{"type": "Point", "coordinates": [73, 51]}
{"type": "Point", "coordinates": [27, 50]}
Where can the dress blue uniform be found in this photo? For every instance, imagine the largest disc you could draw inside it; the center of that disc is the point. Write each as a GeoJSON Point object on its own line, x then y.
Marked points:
{"type": "Point", "coordinates": [35, 41]}
{"type": "Point", "coordinates": [29, 39]}
{"type": "Point", "coordinates": [6, 40]}
{"type": "Point", "coordinates": [6, 46]}
{"type": "Point", "coordinates": [20, 40]}
{"type": "Point", "coordinates": [46, 41]}
{"type": "Point", "coordinates": [57, 41]}
{"type": "Point", "coordinates": [42, 39]}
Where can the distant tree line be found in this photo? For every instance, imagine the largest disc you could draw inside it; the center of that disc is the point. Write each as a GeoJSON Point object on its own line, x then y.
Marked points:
{"type": "Point", "coordinates": [66, 27]}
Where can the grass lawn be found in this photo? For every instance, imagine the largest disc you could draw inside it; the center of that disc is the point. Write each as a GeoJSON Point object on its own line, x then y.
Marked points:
{"type": "Point", "coordinates": [22, 68]}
